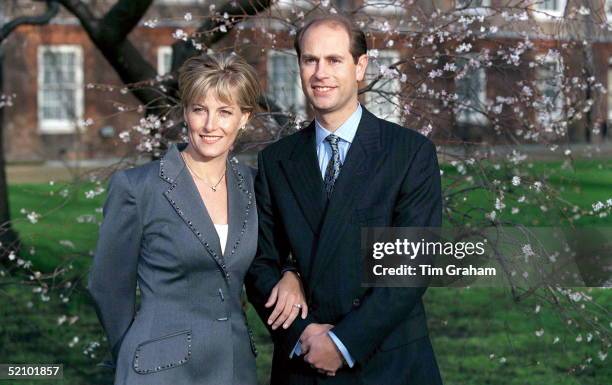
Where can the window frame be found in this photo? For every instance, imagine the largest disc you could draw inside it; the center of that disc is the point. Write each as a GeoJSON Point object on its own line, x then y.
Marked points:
{"type": "Point", "coordinates": [482, 9]}
{"type": "Point", "coordinates": [163, 50]}
{"type": "Point", "coordinates": [559, 105]}
{"type": "Point", "coordinates": [300, 102]}
{"type": "Point", "coordinates": [60, 126]}
{"type": "Point", "coordinates": [547, 14]}
{"type": "Point", "coordinates": [469, 116]}
{"type": "Point", "coordinates": [609, 90]}
{"type": "Point", "coordinates": [179, 2]}
{"type": "Point", "coordinates": [377, 8]}
{"type": "Point", "coordinates": [396, 115]}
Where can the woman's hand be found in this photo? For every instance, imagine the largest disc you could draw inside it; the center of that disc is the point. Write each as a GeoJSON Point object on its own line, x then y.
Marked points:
{"type": "Point", "coordinates": [288, 294]}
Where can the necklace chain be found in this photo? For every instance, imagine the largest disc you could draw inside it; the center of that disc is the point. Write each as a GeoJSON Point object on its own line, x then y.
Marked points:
{"type": "Point", "coordinates": [212, 187]}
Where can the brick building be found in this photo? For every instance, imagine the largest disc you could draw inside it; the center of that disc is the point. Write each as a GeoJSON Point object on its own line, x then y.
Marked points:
{"type": "Point", "coordinates": [56, 115]}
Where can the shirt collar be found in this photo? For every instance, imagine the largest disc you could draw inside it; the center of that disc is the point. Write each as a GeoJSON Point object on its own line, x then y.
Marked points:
{"type": "Point", "coordinates": [346, 131]}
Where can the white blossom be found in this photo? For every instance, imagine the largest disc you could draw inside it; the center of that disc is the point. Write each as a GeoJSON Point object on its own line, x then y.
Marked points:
{"type": "Point", "coordinates": [151, 23]}
{"type": "Point", "coordinates": [33, 217]}
{"type": "Point", "coordinates": [464, 47]}
{"type": "Point", "coordinates": [579, 338]}
{"type": "Point", "coordinates": [179, 34]}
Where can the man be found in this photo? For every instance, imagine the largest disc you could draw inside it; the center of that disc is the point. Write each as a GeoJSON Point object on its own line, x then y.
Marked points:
{"type": "Point", "coordinates": [315, 190]}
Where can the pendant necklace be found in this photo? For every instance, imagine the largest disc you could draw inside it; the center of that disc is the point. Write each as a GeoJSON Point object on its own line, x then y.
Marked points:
{"type": "Point", "coordinates": [212, 187]}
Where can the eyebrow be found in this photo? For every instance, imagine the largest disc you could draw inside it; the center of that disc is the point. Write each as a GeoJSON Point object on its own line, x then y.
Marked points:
{"type": "Point", "coordinates": [223, 106]}
{"type": "Point", "coordinates": [331, 56]}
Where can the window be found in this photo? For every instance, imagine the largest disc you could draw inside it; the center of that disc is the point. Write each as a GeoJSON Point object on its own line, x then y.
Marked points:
{"type": "Point", "coordinates": [178, 2]}
{"type": "Point", "coordinates": [383, 100]}
{"type": "Point", "coordinates": [549, 75]}
{"type": "Point", "coordinates": [610, 90]}
{"type": "Point", "coordinates": [471, 90]}
{"type": "Point", "coordinates": [608, 5]}
{"type": "Point", "coordinates": [60, 88]}
{"type": "Point", "coordinates": [464, 4]}
{"type": "Point", "coordinates": [384, 6]}
{"type": "Point", "coordinates": [549, 8]}
{"type": "Point", "coordinates": [293, 4]}
{"type": "Point", "coordinates": [284, 86]}
{"type": "Point", "coordinates": [164, 59]}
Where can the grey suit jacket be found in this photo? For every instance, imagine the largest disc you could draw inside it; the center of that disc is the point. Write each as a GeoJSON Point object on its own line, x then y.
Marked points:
{"type": "Point", "coordinates": [190, 327]}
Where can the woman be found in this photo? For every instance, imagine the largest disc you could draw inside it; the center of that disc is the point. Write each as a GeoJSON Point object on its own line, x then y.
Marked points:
{"type": "Point", "coordinates": [185, 229]}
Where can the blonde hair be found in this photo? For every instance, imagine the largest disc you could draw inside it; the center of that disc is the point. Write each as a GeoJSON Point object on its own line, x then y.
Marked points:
{"type": "Point", "coordinates": [228, 76]}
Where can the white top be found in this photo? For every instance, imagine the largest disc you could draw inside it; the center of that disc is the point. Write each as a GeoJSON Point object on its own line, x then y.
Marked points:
{"type": "Point", "coordinates": [222, 233]}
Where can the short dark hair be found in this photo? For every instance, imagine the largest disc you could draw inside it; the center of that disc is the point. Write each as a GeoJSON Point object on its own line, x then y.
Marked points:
{"type": "Point", "coordinates": [357, 40]}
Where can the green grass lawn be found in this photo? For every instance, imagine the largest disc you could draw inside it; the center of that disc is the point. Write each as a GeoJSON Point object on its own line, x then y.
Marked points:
{"type": "Point", "coordinates": [481, 336]}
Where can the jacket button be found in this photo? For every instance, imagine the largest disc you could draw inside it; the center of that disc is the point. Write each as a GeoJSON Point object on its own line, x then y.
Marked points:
{"type": "Point", "coordinates": [356, 302]}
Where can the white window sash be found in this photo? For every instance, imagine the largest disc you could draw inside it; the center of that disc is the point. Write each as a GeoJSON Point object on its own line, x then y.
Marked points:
{"type": "Point", "coordinates": [179, 2]}
{"type": "Point", "coordinates": [610, 94]}
{"type": "Point", "coordinates": [384, 7]}
{"type": "Point", "coordinates": [548, 14]}
{"type": "Point", "coordinates": [384, 106]}
{"type": "Point", "coordinates": [547, 116]}
{"type": "Point", "coordinates": [61, 126]}
{"type": "Point", "coordinates": [298, 104]}
{"type": "Point", "coordinates": [471, 113]}
{"type": "Point", "coordinates": [293, 4]}
{"type": "Point", "coordinates": [162, 52]}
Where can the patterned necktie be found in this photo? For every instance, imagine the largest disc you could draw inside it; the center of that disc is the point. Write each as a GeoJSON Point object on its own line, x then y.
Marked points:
{"type": "Point", "coordinates": [333, 167]}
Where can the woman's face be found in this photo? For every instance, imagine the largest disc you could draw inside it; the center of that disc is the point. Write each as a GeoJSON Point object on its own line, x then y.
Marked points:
{"type": "Point", "coordinates": [213, 125]}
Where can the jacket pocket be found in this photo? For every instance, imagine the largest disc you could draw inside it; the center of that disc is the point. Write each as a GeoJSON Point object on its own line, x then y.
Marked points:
{"type": "Point", "coordinates": [252, 341]}
{"type": "Point", "coordinates": [163, 353]}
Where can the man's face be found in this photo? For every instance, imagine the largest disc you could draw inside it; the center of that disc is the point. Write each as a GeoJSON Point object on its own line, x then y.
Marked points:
{"type": "Point", "coordinates": [328, 72]}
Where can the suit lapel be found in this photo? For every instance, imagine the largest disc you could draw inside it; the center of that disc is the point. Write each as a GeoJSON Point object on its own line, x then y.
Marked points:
{"type": "Point", "coordinates": [240, 201]}
{"type": "Point", "coordinates": [184, 197]}
{"type": "Point", "coordinates": [360, 164]}
{"type": "Point", "coordinates": [304, 177]}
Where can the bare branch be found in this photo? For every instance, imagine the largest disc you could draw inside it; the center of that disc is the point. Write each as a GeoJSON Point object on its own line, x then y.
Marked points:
{"type": "Point", "coordinates": [211, 31]}
{"type": "Point", "coordinates": [122, 18]}
{"type": "Point", "coordinates": [121, 54]}
{"type": "Point", "coordinates": [82, 12]}
{"type": "Point", "coordinates": [52, 10]}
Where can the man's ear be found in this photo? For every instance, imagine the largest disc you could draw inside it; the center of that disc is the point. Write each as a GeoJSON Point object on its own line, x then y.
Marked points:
{"type": "Point", "coordinates": [361, 66]}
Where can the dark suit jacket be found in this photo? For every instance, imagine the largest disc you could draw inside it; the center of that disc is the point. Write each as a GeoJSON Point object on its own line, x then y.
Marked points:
{"type": "Point", "coordinates": [390, 178]}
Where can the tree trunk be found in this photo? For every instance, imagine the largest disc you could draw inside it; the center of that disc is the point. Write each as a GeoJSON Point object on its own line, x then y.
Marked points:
{"type": "Point", "coordinates": [8, 237]}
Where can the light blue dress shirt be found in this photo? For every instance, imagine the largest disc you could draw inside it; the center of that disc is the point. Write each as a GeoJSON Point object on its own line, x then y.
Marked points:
{"type": "Point", "coordinates": [346, 132]}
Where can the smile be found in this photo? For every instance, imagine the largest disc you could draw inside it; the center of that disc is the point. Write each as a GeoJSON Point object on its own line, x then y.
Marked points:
{"type": "Point", "coordinates": [210, 139]}
{"type": "Point", "coordinates": [323, 89]}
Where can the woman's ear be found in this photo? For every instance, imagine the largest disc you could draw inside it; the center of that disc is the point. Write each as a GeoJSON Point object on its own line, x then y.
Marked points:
{"type": "Point", "coordinates": [246, 115]}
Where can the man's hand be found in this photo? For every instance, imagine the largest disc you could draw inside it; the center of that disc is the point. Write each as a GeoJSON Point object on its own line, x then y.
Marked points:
{"type": "Point", "coordinates": [288, 294]}
{"type": "Point", "coordinates": [313, 330]}
{"type": "Point", "coordinates": [323, 354]}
